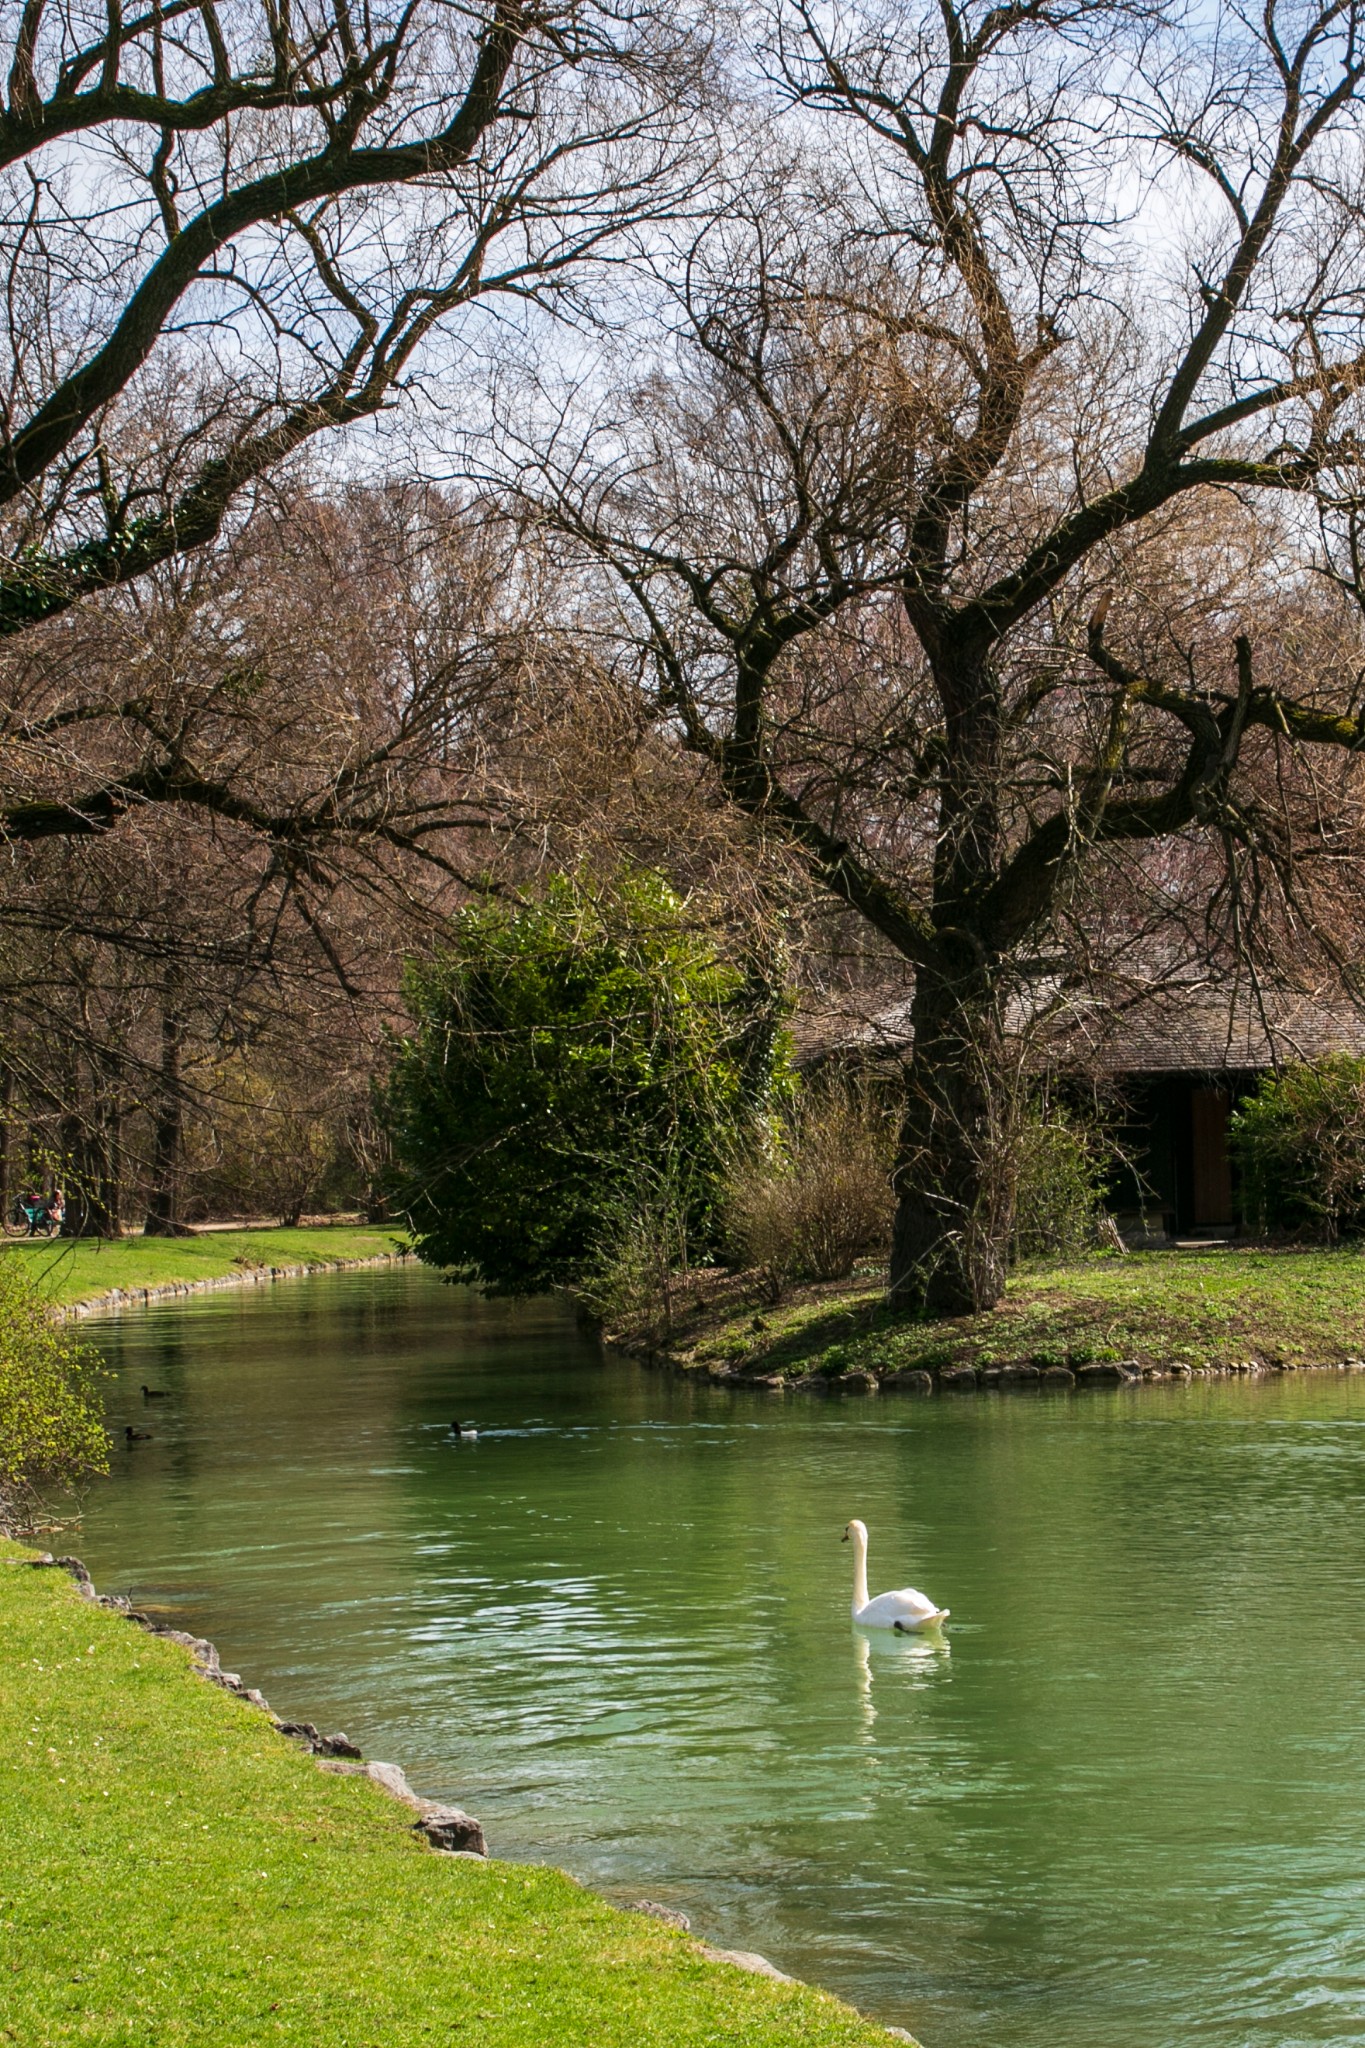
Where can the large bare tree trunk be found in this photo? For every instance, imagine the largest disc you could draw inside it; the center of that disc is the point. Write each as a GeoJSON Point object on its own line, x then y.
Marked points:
{"type": "Point", "coordinates": [954, 1176]}
{"type": "Point", "coordinates": [6, 1139]}
{"type": "Point", "coordinates": [90, 1146]}
{"type": "Point", "coordinates": [162, 1220]}
{"type": "Point", "coordinates": [954, 1179]}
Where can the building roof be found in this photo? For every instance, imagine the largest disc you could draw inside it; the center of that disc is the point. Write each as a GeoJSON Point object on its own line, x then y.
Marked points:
{"type": "Point", "coordinates": [1208, 1029]}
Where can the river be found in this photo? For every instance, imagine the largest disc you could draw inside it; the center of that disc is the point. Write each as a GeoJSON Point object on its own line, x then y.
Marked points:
{"type": "Point", "coordinates": [1120, 1805]}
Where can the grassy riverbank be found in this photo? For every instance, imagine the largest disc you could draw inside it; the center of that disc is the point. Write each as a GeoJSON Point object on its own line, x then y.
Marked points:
{"type": "Point", "coordinates": [78, 1269]}
{"type": "Point", "coordinates": [177, 1872]}
{"type": "Point", "coordinates": [1162, 1309]}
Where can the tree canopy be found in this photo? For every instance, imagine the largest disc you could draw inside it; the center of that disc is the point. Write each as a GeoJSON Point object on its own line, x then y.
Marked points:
{"type": "Point", "coordinates": [230, 226]}
{"type": "Point", "coordinates": [977, 512]}
{"type": "Point", "coordinates": [912, 456]}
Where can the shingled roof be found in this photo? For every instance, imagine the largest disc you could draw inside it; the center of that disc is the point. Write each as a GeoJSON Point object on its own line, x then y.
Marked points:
{"type": "Point", "coordinates": [1204, 1030]}
{"type": "Point", "coordinates": [1210, 1031]}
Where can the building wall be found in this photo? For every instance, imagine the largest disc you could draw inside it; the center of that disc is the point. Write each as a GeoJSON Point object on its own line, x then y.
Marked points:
{"type": "Point", "coordinates": [1178, 1171]}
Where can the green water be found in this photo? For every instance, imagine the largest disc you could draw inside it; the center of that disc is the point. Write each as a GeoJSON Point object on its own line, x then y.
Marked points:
{"type": "Point", "coordinates": [1122, 1806]}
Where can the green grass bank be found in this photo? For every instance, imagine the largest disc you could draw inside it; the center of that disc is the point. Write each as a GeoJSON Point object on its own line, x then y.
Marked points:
{"type": "Point", "coordinates": [72, 1270]}
{"type": "Point", "coordinates": [1165, 1311]}
{"type": "Point", "coordinates": [176, 1871]}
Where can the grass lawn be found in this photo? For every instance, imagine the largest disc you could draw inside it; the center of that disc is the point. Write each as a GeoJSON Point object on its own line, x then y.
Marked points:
{"type": "Point", "coordinates": [175, 1871]}
{"type": "Point", "coordinates": [75, 1269]}
{"type": "Point", "coordinates": [1162, 1308]}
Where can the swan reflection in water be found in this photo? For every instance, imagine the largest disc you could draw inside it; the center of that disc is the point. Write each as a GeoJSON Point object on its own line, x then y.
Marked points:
{"type": "Point", "coordinates": [915, 1660]}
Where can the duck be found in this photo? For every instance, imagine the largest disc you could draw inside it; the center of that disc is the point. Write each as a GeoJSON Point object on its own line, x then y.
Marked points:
{"type": "Point", "coordinates": [155, 1394]}
{"type": "Point", "coordinates": [463, 1430]}
{"type": "Point", "coordinates": [137, 1436]}
{"type": "Point", "coordinates": [904, 1611]}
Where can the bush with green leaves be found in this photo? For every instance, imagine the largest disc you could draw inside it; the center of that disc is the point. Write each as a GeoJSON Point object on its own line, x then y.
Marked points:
{"type": "Point", "coordinates": [1063, 1164]}
{"type": "Point", "coordinates": [563, 1049]}
{"type": "Point", "coordinates": [630, 1282]}
{"type": "Point", "coordinates": [51, 1432]}
{"type": "Point", "coordinates": [1299, 1143]}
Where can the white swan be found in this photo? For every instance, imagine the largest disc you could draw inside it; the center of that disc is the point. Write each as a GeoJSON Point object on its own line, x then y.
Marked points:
{"type": "Point", "coordinates": [904, 1610]}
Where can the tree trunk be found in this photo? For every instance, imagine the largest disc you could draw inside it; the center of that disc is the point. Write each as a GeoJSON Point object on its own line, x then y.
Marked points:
{"type": "Point", "coordinates": [6, 1139]}
{"type": "Point", "coordinates": [162, 1220]}
{"type": "Point", "coordinates": [954, 1175]}
{"type": "Point", "coordinates": [91, 1179]}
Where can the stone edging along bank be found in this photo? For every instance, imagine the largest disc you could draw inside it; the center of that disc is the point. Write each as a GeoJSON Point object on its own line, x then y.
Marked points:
{"type": "Point", "coordinates": [970, 1379]}
{"type": "Point", "coordinates": [445, 1827]}
{"type": "Point", "coordinates": [449, 1829]}
{"type": "Point", "coordinates": [248, 1276]}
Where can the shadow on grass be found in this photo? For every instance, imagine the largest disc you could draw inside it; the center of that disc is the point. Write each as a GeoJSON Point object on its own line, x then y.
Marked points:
{"type": "Point", "coordinates": [1301, 1305]}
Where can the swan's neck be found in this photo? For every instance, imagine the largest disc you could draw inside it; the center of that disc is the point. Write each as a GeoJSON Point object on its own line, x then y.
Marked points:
{"type": "Point", "coordinates": [859, 1571]}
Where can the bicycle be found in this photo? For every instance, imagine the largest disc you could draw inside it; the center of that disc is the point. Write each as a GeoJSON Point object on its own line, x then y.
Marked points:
{"type": "Point", "coordinates": [30, 1218]}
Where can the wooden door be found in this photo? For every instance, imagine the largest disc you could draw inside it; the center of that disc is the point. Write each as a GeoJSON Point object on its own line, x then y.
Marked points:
{"type": "Point", "coordinates": [1212, 1167]}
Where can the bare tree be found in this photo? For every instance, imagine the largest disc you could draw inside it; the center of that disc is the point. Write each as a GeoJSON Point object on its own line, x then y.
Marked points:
{"type": "Point", "coordinates": [237, 712]}
{"type": "Point", "coordinates": [310, 691]}
{"type": "Point", "coordinates": [926, 404]}
{"type": "Point", "coordinates": [227, 225]}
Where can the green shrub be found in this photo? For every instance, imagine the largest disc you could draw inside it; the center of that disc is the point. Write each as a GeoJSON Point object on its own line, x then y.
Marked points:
{"type": "Point", "coordinates": [566, 1052]}
{"type": "Point", "coordinates": [51, 1434]}
{"type": "Point", "coordinates": [1299, 1143]}
{"type": "Point", "coordinates": [628, 1280]}
{"type": "Point", "coordinates": [1063, 1166]}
